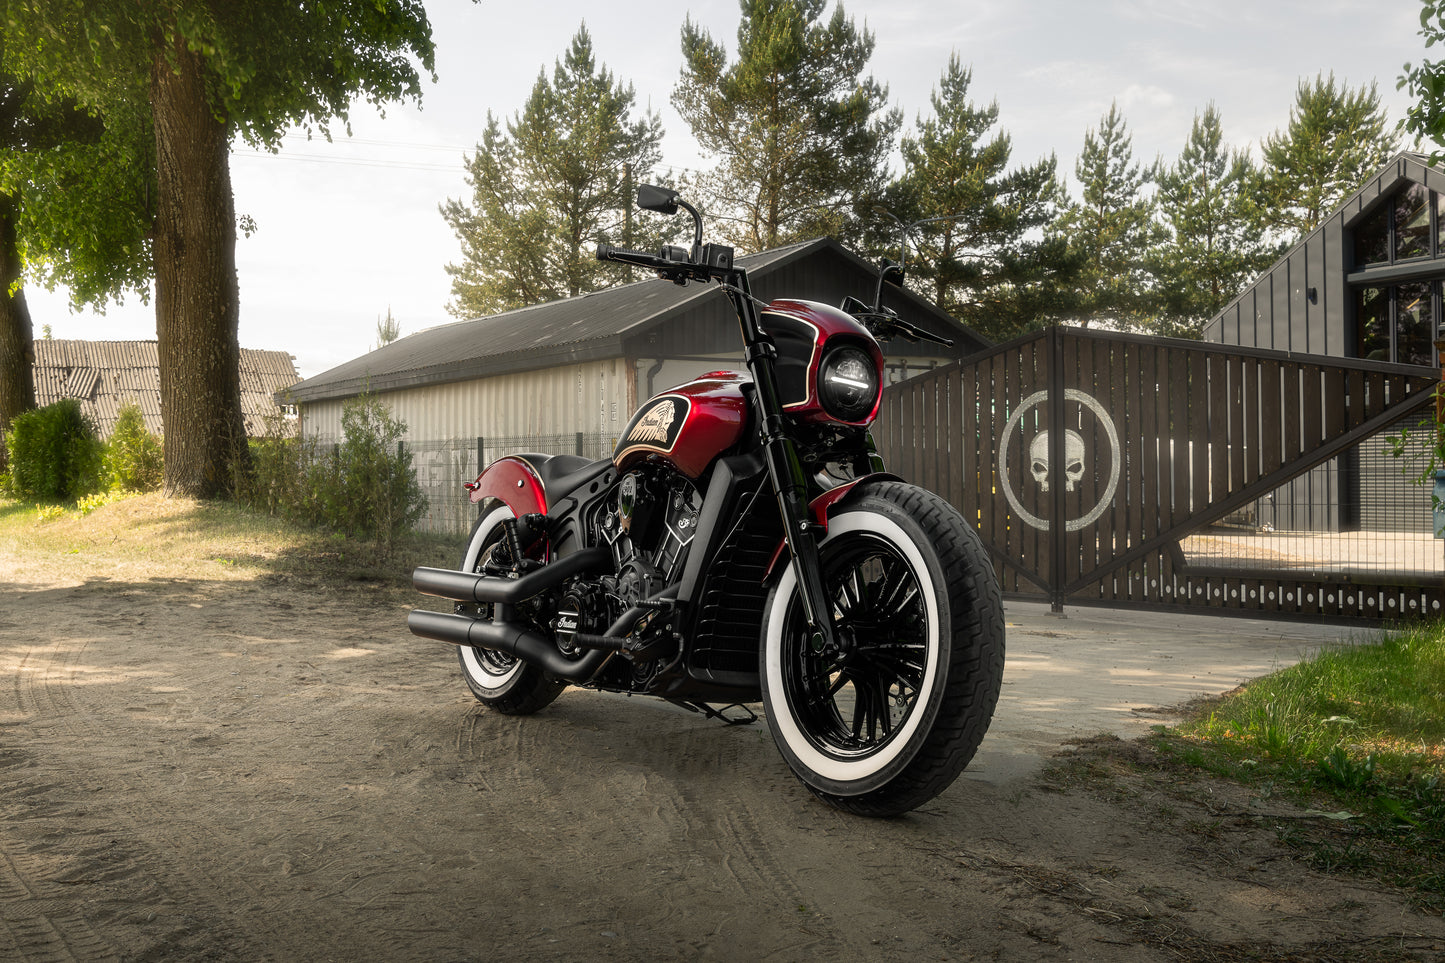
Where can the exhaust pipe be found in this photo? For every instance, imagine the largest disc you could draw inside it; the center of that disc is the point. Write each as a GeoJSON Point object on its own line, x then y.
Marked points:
{"type": "Point", "coordinates": [525, 644]}
{"type": "Point", "coordinates": [529, 646]}
{"type": "Point", "coordinates": [470, 587]}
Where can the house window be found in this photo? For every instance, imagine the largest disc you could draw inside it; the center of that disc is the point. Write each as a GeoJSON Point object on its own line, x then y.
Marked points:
{"type": "Point", "coordinates": [1404, 229]}
{"type": "Point", "coordinates": [1412, 223]}
{"type": "Point", "coordinates": [1397, 323]}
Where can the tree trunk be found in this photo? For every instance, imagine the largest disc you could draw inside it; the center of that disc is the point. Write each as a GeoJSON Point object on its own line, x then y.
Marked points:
{"type": "Point", "coordinates": [197, 298]}
{"type": "Point", "coordinates": [17, 337]}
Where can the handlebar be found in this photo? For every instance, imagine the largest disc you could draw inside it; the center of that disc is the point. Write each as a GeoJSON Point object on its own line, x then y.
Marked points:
{"type": "Point", "coordinates": [677, 264]}
{"type": "Point", "coordinates": [884, 324]}
{"type": "Point", "coordinates": [610, 252]}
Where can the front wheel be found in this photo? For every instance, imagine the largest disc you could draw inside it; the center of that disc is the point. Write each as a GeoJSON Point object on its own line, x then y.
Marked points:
{"type": "Point", "coordinates": [890, 715]}
{"type": "Point", "coordinates": [500, 681]}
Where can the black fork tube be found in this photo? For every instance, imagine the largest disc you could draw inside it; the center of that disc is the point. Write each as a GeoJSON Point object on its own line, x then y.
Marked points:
{"type": "Point", "coordinates": [785, 471]}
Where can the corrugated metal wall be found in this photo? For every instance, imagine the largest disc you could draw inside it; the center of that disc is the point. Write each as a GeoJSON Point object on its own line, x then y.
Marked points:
{"type": "Point", "coordinates": [590, 398]}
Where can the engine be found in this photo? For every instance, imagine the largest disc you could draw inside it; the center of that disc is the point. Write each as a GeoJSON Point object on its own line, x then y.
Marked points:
{"type": "Point", "coordinates": [649, 520]}
{"type": "Point", "coordinates": [649, 525]}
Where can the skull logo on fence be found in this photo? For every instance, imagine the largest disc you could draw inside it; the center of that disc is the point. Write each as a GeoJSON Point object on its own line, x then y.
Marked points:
{"type": "Point", "coordinates": [1073, 459]}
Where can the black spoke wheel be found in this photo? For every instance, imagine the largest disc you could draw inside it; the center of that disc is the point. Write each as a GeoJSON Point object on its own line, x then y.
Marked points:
{"type": "Point", "coordinates": [854, 699]}
{"type": "Point", "coordinates": [888, 715]}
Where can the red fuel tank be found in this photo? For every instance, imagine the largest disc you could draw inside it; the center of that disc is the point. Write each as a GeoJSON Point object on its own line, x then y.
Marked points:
{"type": "Point", "coordinates": [687, 426]}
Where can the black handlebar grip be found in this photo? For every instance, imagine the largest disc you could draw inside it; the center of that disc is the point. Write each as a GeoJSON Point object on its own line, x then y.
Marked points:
{"type": "Point", "coordinates": [604, 252]}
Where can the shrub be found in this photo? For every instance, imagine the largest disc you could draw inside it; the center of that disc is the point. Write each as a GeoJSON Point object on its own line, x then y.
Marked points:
{"type": "Point", "coordinates": [133, 455]}
{"type": "Point", "coordinates": [55, 454]}
{"type": "Point", "coordinates": [362, 486]}
{"type": "Point", "coordinates": [367, 486]}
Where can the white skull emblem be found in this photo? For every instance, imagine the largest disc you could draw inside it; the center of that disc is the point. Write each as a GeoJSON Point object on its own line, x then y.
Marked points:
{"type": "Point", "coordinates": [1073, 459]}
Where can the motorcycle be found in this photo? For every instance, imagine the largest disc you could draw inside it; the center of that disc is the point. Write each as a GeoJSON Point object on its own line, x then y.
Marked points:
{"type": "Point", "coordinates": [744, 544]}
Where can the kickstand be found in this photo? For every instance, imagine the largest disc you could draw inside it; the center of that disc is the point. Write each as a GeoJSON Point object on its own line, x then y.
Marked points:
{"type": "Point", "coordinates": [719, 714]}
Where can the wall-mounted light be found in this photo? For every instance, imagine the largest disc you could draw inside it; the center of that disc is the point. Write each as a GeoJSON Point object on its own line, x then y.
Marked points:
{"type": "Point", "coordinates": [1312, 295]}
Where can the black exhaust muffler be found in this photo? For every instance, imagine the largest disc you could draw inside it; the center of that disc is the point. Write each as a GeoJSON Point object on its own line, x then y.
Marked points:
{"type": "Point", "coordinates": [470, 587]}
{"type": "Point", "coordinates": [508, 637]}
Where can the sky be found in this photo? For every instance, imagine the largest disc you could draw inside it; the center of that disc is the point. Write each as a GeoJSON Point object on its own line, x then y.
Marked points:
{"type": "Point", "coordinates": [349, 230]}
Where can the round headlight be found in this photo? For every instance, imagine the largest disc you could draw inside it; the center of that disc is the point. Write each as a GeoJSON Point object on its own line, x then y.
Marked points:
{"type": "Point", "coordinates": [848, 384]}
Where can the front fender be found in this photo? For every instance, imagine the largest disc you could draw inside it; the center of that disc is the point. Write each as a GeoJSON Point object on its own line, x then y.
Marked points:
{"type": "Point", "coordinates": [513, 481]}
{"type": "Point", "coordinates": [821, 507]}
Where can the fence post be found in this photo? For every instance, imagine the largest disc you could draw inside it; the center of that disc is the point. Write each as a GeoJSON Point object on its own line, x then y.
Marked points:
{"type": "Point", "coordinates": [579, 443]}
{"type": "Point", "coordinates": [481, 454]}
{"type": "Point", "coordinates": [1058, 527]}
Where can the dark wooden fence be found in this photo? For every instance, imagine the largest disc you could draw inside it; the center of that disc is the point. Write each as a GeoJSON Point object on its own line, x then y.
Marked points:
{"type": "Point", "coordinates": [1084, 458]}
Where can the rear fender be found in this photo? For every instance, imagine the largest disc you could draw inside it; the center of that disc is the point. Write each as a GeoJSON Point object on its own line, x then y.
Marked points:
{"type": "Point", "coordinates": [513, 481]}
{"type": "Point", "coordinates": [821, 507]}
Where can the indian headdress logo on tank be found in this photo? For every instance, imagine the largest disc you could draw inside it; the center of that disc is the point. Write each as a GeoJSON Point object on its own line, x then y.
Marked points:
{"type": "Point", "coordinates": [654, 425]}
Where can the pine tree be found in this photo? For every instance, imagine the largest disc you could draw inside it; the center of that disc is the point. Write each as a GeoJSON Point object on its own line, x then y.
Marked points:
{"type": "Point", "coordinates": [799, 133]}
{"type": "Point", "coordinates": [1336, 138]}
{"type": "Point", "coordinates": [1111, 228]}
{"type": "Point", "coordinates": [981, 257]}
{"type": "Point", "coordinates": [1213, 247]}
{"type": "Point", "coordinates": [388, 329]}
{"type": "Point", "coordinates": [560, 179]}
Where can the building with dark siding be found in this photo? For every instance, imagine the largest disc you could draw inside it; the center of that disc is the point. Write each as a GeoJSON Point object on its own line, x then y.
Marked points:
{"type": "Point", "coordinates": [1364, 284]}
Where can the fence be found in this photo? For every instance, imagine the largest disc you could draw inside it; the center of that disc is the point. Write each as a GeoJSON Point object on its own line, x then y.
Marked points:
{"type": "Point", "coordinates": [443, 466]}
{"type": "Point", "coordinates": [1111, 468]}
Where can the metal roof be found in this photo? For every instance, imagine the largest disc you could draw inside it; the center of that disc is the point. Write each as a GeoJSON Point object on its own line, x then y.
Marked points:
{"type": "Point", "coordinates": [106, 375]}
{"type": "Point", "coordinates": [585, 328]}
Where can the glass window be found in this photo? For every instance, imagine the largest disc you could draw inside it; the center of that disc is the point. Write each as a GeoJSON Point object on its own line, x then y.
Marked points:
{"type": "Point", "coordinates": [1412, 223]}
{"type": "Point", "coordinates": [1372, 239]}
{"type": "Point", "coordinates": [1372, 316]}
{"type": "Point", "coordinates": [1415, 324]}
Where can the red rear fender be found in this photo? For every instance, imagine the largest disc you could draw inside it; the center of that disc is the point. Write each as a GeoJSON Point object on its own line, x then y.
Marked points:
{"type": "Point", "coordinates": [513, 481]}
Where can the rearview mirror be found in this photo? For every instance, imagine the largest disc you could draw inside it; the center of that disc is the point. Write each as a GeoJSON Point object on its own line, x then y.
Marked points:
{"type": "Point", "coordinates": [663, 200]}
{"type": "Point", "coordinates": [891, 273]}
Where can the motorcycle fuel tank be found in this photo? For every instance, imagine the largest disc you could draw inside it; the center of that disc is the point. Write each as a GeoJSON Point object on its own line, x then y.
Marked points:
{"type": "Point", "coordinates": [687, 426]}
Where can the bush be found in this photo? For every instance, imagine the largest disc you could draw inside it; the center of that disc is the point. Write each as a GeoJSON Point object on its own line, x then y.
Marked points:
{"type": "Point", "coordinates": [363, 486]}
{"type": "Point", "coordinates": [133, 455]}
{"type": "Point", "coordinates": [54, 452]}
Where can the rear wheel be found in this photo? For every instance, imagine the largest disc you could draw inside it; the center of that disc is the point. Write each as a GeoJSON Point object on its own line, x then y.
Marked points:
{"type": "Point", "coordinates": [890, 715]}
{"type": "Point", "coordinates": [500, 681]}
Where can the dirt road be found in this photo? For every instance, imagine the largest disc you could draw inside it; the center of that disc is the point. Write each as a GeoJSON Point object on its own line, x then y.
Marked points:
{"type": "Point", "coordinates": [254, 770]}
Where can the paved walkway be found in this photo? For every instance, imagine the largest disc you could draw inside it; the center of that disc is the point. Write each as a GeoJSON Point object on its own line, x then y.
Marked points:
{"type": "Point", "coordinates": [1096, 670]}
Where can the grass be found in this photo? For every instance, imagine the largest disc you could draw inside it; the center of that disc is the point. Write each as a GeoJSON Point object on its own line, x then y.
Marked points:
{"type": "Point", "coordinates": [144, 537]}
{"type": "Point", "coordinates": [1358, 733]}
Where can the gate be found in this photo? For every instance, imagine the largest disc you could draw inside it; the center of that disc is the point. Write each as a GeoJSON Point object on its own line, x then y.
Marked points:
{"type": "Point", "coordinates": [1118, 469]}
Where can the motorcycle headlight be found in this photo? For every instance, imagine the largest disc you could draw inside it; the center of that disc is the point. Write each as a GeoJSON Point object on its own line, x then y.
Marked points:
{"type": "Point", "coordinates": [848, 384]}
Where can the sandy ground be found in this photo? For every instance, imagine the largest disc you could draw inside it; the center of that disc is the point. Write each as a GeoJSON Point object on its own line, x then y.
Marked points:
{"type": "Point", "coordinates": [251, 770]}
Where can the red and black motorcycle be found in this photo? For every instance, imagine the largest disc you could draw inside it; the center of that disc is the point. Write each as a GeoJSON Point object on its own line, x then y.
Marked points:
{"type": "Point", "coordinates": [744, 544]}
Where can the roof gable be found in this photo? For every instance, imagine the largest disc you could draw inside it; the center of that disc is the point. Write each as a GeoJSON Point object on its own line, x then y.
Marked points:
{"type": "Point", "coordinates": [589, 327]}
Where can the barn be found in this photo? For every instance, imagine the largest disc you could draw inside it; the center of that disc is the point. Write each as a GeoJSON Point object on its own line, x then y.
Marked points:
{"type": "Point", "coordinates": [1364, 284]}
{"type": "Point", "coordinates": [105, 376]}
{"type": "Point", "coordinates": [566, 376]}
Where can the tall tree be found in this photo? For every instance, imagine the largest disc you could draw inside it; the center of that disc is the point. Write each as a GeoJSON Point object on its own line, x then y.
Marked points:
{"type": "Point", "coordinates": [388, 329]}
{"type": "Point", "coordinates": [1425, 83]}
{"type": "Point", "coordinates": [1111, 227]}
{"type": "Point", "coordinates": [559, 179]}
{"type": "Point", "coordinates": [210, 71]}
{"type": "Point", "coordinates": [1213, 248]}
{"type": "Point", "coordinates": [799, 133]}
{"type": "Point", "coordinates": [72, 209]}
{"type": "Point", "coordinates": [1335, 139]}
{"type": "Point", "coordinates": [982, 256]}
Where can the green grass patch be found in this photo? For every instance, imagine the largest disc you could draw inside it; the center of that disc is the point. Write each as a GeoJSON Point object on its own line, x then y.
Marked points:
{"type": "Point", "coordinates": [1357, 731]}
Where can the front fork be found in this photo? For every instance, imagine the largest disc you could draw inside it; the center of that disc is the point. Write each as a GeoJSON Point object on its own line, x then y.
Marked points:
{"type": "Point", "coordinates": [786, 474]}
